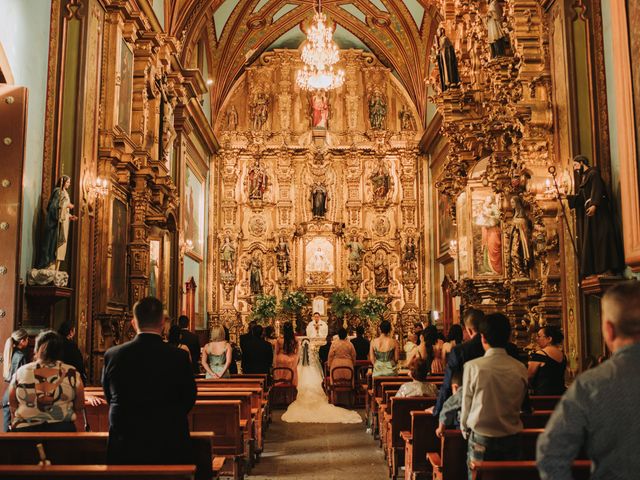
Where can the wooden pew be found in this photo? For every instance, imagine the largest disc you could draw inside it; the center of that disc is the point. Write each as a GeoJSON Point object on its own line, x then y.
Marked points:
{"type": "Point", "coordinates": [450, 463]}
{"type": "Point", "coordinates": [418, 440]}
{"type": "Point", "coordinates": [544, 402]}
{"type": "Point", "coordinates": [223, 417]}
{"type": "Point", "coordinates": [119, 472]}
{"type": "Point", "coordinates": [373, 392]}
{"type": "Point", "coordinates": [91, 448]}
{"type": "Point", "coordinates": [380, 384]}
{"type": "Point", "coordinates": [522, 470]}
{"type": "Point", "coordinates": [399, 420]}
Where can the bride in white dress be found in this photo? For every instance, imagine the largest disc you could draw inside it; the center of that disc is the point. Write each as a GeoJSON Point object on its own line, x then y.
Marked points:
{"type": "Point", "coordinates": [311, 405]}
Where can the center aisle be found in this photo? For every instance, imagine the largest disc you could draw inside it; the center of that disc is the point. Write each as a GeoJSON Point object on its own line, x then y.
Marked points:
{"type": "Point", "coordinates": [309, 451]}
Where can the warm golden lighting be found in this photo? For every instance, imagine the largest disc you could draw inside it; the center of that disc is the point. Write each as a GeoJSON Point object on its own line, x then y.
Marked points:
{"type": "Point", "coordinates": [319, 54]}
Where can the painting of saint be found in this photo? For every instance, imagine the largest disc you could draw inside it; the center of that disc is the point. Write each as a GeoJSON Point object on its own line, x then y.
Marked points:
{"type": "Point", "coordinates": [119, 226]}
{"type": "Point", "coordinates": [194, 211]}
{"type": "Point", "coordinates": [487, 234]}
{"type": "Point", "coordinates": [319, 110]}
{"type": "Point", "coordinates": [126, 87]}
{"type": "Point", "coordinates": [319, 259]}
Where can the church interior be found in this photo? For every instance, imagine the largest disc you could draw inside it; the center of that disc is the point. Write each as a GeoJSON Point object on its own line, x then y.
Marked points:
{"type": "Point", "coordinates": [258, 162]}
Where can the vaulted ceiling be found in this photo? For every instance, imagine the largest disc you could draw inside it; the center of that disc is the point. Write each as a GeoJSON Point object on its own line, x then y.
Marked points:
{"type": "Point", "coordinates": [399, 32]}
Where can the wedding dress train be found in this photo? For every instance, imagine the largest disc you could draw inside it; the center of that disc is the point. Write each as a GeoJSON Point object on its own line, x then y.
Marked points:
{"type": "Point", "coordinates": [311, 404]}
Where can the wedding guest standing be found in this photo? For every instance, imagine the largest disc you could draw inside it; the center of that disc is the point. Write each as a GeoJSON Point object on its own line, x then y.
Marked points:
{"type": "Point", "coordinates": [191, 340]}
{"type": "Point", "coordinates": [361, 344]}
{"type": "Point", "coordinates": [257, 354]}
{"type": "Point", "coordinates": [547, 366]}
{"type": "Point", "coordinates": [14, 355]}
{"type": "Point", "coordinates": [455, 337]}
{"type": "Point", "coordinates": [150, 389]}
{"type": "Point", "coordinates": [342, 354]}
{"type": "Point", "coordinates": [217, 355]}
{"type": "Point", "coordinates": [71, 354]}
{"type": "Point", "coordinates": [287, 352]}
{"type": "Point", "coordinates": [47, 395]}
{"type": "Point", "coordinates": [174, 339]}
{"type": "Point", "coordinates": [384, 352]}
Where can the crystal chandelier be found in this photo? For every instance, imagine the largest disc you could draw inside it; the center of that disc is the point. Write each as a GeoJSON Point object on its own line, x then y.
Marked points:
{"type": "Point", "coordinates": [320, 54]}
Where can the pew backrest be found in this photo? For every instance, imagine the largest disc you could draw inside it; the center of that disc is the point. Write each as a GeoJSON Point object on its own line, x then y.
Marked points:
{"type": "Point", "coordinates": [119, 472]}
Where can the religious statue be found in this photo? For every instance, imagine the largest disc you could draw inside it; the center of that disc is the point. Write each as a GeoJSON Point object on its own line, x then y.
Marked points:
{"type": "Point", "coordinates": [410, 254]}
{"type": "Point", "coordinates": [356, 250]}
{"type": "Point", "coordinates": [227, 255]}
{"type": "Point", "coordinates": [377, 110]}
{"type": "Point", "coordinates": [381, 182]}
{"type": "Point", "coordinates": [496, 35]}
{"type": "Point", "coordinates": [282, 256]}
{"type": "Point", "coordinates": [231, 118]}
{"type": "Point", "coordinates": [598, 240]}
{"type": "Point", "coordinates": [519, 248]}
{"type": "Point", "coordinates": [168, 129]}
{"type": "Point", "coordinates": [406, 119]}
{"type": "Point", "coordinates": [489, 220]}
{"type": "Point", "coordinates": [381, 272]}
{"type": "Point", "coordinates": [319, 110]}
{"type": "Point", "coordinates": [258, 181]}
{"type": "Point", "coordinates": [319, 199]}
{"type": "Point", "coordinates": [53, 248]}
{"type": "Point", "coordinates": [255, 274]}
{"type": "Point", "coordinates": [447, 61]}
{"type": "Point", "coordinates": [259, 111]}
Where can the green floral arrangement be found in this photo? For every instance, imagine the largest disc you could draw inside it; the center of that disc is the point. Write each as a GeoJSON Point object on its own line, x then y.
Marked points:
{"type": "Point", "coordinates": [293, 302]}
{"type": "Point", "coordinates": [373, 308]}
{"type": "Point", "coordinates": [344, 303]}
{"type": "Point", "coordinates": [264, 309]}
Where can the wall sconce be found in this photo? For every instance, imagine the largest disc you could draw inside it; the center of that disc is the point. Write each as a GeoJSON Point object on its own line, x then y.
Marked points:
{"type": "Point", "coordinates": [101, 187]}
{"type": "Point", "coordinates": [453, 248]}
{"type": "Point", "coordinates": [186, 247]}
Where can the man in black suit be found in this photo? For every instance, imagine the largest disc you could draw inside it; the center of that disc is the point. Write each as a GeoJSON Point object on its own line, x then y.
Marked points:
{"type": "Point", "coordinates": [71, 354]}
{"type": "Point", "coordinates": [192, 342]}
{"type": "Point", "coordinates": [361, 344]}
{"type": "Point", "coordinates": [323, 351]}
{"type": "Point", "coordinates": [150, 388]}
{"type": "Point", "coordinates": [257, 353]}
{"type": "Point", "coordinates": [243, 340]}
{"type": "Point", "coordinates": [461, 354]}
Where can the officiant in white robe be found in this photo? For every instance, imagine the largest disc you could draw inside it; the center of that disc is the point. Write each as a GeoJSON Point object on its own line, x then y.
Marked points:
{"type": "Point", "coordinates": [317, 328]}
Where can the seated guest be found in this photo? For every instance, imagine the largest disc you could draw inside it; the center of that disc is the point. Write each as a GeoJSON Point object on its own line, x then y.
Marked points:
{"type": "Point", "coordinates": [71, 353]}
{"type": "Point", "coordinates": [411, 348]}
{"type": "Point", "coordinates": [257, 354]}
{"type": "Point", "coordinates": [47, 395]}
{"type": "Point", "coordinates": [14, 355]}
{"type": "Point", "coordinates": [418, 387]}
{"type": "Point", "coordinates": [216, 355]}
{"type": "Point", "coordinates": [450, 413]}
{"type": "Point", "coordinates": [547, 365]}
{"type": "Point", "coordinates": [323, 351]}
{"type": "Point", "coordinates": [384, 352]}
{"type": "Point", "coordinates": [454, 338]}
{"type": "Point", "coordinates": [361, 344]}
{"type": "Point", "coordinates": [342, 354]}
{"type": "Point", "coordinates": [287, 352]}
{"type": "Point", "coordinates": [150, 389]}
{"type": "Point", "coordinates": [494, 388]}
{"type": "Point", "coordinates": [598, 414]}
{"type": "Point", "coordinates": [191, 340]}
{"type": "Point", "coordinates": [174, 339]}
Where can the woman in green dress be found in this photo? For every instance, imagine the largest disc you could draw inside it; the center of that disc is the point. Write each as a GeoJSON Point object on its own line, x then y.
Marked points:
{"type": "Point", "coordinates": [217, 355]}
{"type": "Point", "coordinates": [384, 352]}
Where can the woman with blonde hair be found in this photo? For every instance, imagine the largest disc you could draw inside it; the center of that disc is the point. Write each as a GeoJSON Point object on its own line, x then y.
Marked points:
{"type": "Point", "coordinates": [217, 355]}
{"type": "Point", "coordinates": [14, 358]}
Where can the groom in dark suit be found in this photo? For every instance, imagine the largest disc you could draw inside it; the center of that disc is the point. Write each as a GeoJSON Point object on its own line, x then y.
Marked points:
{"type": "Point", "coordinates": [150, 389]}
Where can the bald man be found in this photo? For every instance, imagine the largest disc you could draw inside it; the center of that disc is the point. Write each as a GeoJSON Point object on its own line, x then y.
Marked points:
{"type": "Point", "coordinates": [599, 412]}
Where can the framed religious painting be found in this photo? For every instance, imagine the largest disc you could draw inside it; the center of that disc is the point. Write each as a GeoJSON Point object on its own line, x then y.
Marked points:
{"type": "Point", "coordinates": [194, 207]}
{"type": "Point", "coordinates": [464, 235]}
{"type": "Point", "coordinates": [319, 262]}
{"type": "Point", "coordinates": [118, 280]}
{"type": "Point", "coordinates": [446, 228]}
{"type": "Point", "coordinates": [126, 86]}
{"type": "Point", "coordinates": [486, 234]}
{"type": "Point", "coordinates": [155, 268]}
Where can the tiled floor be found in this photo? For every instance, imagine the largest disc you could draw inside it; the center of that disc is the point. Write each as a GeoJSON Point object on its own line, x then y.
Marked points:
{"type": "Point", "coordinates": [319, 452]}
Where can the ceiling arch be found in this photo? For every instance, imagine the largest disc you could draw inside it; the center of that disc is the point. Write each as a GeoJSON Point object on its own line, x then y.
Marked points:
{"type": "Point", "coordinates": [398, 32]}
